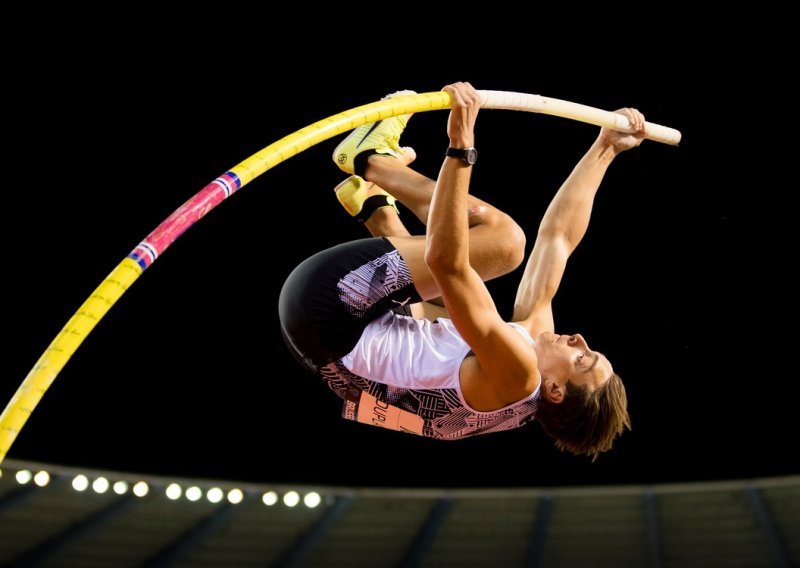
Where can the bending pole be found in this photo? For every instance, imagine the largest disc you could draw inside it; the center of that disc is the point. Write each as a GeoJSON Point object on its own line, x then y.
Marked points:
{"type": "Point", "coordinates": [55, 357]}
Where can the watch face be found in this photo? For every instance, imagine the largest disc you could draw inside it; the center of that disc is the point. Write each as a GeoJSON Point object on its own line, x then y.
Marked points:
{"type": "Point", "coordinates": [471, 156]}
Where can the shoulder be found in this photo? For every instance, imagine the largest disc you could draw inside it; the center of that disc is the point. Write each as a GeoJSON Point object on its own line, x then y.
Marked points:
{"type": "Point", "coordinates": [486, 393]}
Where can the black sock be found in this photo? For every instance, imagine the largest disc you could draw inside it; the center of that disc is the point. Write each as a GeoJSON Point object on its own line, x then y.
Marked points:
{"type": "Point", "coordinates": [371, 204]}
{"type": "Point", "coordinates": [360, 162]}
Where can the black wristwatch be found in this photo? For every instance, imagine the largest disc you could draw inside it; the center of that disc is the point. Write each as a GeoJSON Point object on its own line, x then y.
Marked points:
{"type": "Point", "coordinates": [469, 155]}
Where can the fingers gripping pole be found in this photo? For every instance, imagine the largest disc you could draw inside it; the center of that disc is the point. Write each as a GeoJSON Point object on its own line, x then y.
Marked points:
{"type": "Point", "coordinates": [55, 357]}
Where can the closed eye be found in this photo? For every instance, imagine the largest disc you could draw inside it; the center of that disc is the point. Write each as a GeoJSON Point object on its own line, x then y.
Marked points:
{"type": "Point", "coordinates": [579, 361]}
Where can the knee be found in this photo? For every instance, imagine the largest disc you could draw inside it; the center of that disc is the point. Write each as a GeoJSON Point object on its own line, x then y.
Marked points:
{"type": "Point", "coordinates": [512, 243]}
{"type": "Point", "coordinates": [507, 238]}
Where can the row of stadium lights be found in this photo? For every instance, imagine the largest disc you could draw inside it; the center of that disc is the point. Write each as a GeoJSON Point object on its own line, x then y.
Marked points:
{"type": "Point", "coordinates": [173, 491]}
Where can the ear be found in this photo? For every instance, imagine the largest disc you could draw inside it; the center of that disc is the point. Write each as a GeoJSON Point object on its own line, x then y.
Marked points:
{"type": "Point", "coordinates": [553, 391]}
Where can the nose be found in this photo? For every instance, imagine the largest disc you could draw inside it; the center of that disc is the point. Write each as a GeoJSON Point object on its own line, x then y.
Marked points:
{"type": "Point", "coordinates": [577, 340]}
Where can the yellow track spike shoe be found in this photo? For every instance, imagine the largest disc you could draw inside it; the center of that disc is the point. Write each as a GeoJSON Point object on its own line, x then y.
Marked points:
{"type": "Point", "coordinates": [361, 198]}
{"type": "Point", "coordinates": [382, 137]}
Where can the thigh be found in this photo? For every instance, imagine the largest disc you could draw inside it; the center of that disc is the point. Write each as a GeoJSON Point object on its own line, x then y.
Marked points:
{"type": "Point", "coordinates": [496, 248]}
{"type": "Point", "coordinates": [412, 249]}
{"type": "Point", "coordinates": [330, 298]}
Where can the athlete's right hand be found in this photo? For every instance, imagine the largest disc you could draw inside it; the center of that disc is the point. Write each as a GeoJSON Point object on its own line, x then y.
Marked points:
{"type": "Point", "coordinates": [465, 104]}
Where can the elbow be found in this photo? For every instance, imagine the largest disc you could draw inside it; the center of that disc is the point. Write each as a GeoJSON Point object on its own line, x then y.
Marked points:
{"type": "Point", "coordinates": [551, 230]}
{"type": "Point", "coordinates": [558, 232]}
{"type": "Point", "coordinates": [441, 261]}
{"type": "Point", "coordinates": [438, 260]}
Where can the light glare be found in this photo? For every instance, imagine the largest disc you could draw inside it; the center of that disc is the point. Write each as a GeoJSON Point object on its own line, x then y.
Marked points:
{"type": "Point", "coordinates": [173, 491]}
{"type": "Point", "coordinates": [235, 496]}
{"type": "Point", "coordinates": [291, 499]}
{"type": "Point", "coordinates": [80, 482]}
{"type": "Point", "coordinates": [23, 476]}
{"type": "Point", "coordinates": [312, 499]}
{"type": "Point", "coordinates": [100, 485]}
{"type": "Point", "coordinates": [41, 478]}
{"type": "Point", "coordinates": [215, 495]}
{"type": "Point", "coordinates": [194, 493]}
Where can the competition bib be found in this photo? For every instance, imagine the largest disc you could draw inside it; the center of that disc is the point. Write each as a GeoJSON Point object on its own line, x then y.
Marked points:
{"type": "Point", "coordinates": [367, 409]}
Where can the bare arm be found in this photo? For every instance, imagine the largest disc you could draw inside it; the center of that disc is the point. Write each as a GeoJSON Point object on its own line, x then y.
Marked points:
{"type": "Point", "coordinates": [506, 365]}
{"type": "Point", "coordinates": [564, 225]}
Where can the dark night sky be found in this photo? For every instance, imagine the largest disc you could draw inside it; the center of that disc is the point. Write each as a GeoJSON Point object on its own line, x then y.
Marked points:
{"type": "Point", "coordinates": [187, 374]}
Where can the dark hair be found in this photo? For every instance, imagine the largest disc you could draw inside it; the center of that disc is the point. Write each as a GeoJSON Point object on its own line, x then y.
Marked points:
{"type": "Point", "coordinates": [587, 421]}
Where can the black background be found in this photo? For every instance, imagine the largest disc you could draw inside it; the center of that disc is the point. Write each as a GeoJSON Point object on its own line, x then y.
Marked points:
{"type": "Point", "coordinates": [187, 375]}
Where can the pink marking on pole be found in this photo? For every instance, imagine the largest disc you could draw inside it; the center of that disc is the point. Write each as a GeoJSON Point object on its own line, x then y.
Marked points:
{"type": "Point", "coordinates": [184, 217]}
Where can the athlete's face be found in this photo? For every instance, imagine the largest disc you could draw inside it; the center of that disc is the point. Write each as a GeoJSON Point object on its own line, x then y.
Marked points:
{"type": "Point", "coordinates": [565, 358]}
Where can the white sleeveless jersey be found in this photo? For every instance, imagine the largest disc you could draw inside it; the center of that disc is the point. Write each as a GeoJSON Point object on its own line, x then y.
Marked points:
{"type": "Point", "coordinates": [403, 374]}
